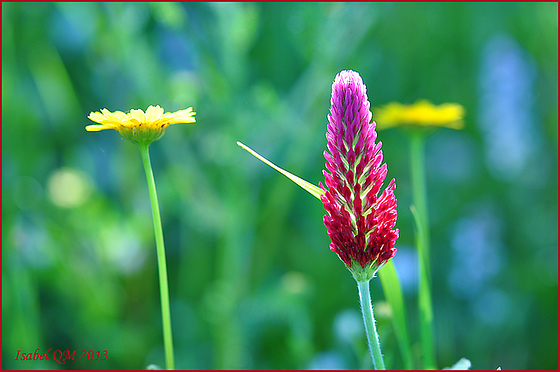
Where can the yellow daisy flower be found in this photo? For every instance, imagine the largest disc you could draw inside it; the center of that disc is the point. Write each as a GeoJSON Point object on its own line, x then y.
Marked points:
{"type": "Point", "coordinates": [138, 126]}
{"type": "Point", "coordinates": [422, 113]}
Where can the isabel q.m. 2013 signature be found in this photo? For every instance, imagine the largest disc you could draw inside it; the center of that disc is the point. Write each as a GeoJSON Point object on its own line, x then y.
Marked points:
{"type": "Point", "coordinates": [61, 356]}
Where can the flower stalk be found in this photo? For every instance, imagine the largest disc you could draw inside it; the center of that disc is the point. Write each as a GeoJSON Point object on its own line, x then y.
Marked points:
{"type": "Point", "coordinates": [369, 323]}
{"type": "Point", "coordinates": [420, 215]}
{"type": "Point", "coordinates": [162, 266]}
{"type": "Point", "coordinates": [419, 194]}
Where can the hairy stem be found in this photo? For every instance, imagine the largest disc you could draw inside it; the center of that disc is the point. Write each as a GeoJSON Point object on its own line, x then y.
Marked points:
{"type": "Point", "coordinates": [369, 322]}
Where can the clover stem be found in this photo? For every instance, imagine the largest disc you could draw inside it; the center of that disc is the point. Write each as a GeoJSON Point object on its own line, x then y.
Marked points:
{"type": "Point", "coordinates": [369, 322]}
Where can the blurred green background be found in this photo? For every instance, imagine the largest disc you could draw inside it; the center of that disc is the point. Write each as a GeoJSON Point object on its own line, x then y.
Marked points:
{"type": "Point", "coordinates": [252, 281]}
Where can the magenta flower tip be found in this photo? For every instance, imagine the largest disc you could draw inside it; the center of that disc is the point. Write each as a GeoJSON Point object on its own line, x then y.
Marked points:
{"type": "Point", "coordinates": [359, 221]}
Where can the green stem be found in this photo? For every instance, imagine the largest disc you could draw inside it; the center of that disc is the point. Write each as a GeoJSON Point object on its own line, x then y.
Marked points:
{"type": "Point", "coordinates": [369, 322]}
{"type": "Point", "coordinates": [420, 214]}
{"type": "Point", "coordinates": [162, 267]}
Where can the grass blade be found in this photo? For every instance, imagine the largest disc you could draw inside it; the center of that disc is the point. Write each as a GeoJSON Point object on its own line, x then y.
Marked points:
{"type": "Point", "coordinates": [394, 295]}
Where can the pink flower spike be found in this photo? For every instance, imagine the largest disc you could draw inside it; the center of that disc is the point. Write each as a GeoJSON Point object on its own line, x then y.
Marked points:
{"type": "Point", "coordinates": [359, 221]}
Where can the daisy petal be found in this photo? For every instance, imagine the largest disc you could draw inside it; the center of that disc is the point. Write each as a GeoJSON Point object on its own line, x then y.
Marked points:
{"type": "Point", "coordinates": [97, 128]}
{"type": "Point", "coordinates": [139, 126]}
{"type": "Point", "coordinates": [97, 117]}
{"type": "Point", "coordinates": [138, 115]}
{"type": "Point", "coordinates": [153, 113]}
{"type": "Point", "coordinates": [182, 116]}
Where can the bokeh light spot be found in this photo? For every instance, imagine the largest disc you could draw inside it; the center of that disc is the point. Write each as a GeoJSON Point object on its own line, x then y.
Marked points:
{"type": "Point", "coordinates": [68, 188]}
{"type": "Point", "coordinates": [294, 282]}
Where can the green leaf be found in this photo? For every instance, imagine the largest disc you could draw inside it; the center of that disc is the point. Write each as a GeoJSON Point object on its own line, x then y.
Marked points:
{"type": "Point", "coordinates": [309, 187]}
{"type": "Point", "coordinates": [394, 295]}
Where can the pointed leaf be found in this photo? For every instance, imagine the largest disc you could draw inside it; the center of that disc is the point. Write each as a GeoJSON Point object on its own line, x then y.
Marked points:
{"type": "Point", "coordinates": [309, 187]}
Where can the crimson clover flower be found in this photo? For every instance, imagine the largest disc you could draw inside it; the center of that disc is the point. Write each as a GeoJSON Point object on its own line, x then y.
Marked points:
{"type": "Point", "coordinates": [359, 221]}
